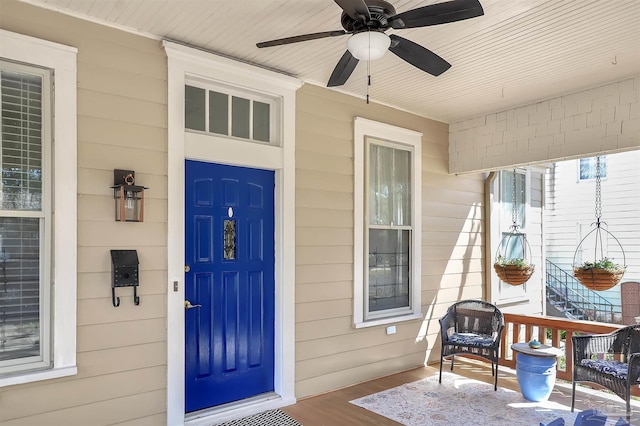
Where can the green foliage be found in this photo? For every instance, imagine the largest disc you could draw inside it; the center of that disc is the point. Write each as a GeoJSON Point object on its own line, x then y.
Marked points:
{"type": "Point", "coordinates": [503, 261]}
{"type": "Point", "coordinates": [606, 264]}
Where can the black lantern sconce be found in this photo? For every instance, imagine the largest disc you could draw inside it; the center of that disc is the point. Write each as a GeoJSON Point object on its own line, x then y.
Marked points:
{"type": "Point", "coordinates": [128, 196]}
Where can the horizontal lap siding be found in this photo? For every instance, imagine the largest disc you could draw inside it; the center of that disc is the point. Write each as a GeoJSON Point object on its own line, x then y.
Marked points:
{"type": "Point", "coordinates": [330, 353]}
{"type": "Point", "coordinates": [122, 119]}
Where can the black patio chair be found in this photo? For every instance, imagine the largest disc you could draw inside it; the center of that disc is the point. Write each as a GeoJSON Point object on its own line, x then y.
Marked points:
{"type": "Point", "coordinates": [472, 327]}
{"type": "Point", "coordinates": [611, 360]}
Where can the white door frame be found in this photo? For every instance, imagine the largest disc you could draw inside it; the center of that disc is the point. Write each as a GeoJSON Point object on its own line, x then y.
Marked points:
{"type": "Point", "coordinates": [184, 62]}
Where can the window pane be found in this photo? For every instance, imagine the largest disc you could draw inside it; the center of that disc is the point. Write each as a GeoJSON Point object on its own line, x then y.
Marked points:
{"type": "Point", "coordinates": [218, 113]}
{"type": "Point", "coordinates": [389, 186]}
{"type": "Point", "coordinates": [21, 141]}
{"type": "Point", "coordinates": [388, 269]}
{"type": "Point", "coordinates": [261, 122]}
{"type": "Point", "coordinates": [19, 288]}
{"type": "Point", "coordinates": [588, 167]}
{"type": "Point", "coordinates": [194, 111]}
{"type": "Point", "coordinates": [240, 117]}
{"type": "Point", "coordinates": [506, 197]}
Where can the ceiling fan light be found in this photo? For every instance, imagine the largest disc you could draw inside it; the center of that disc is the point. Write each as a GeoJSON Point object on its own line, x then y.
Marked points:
{"type": "Point", "coordinates": [368, 45]}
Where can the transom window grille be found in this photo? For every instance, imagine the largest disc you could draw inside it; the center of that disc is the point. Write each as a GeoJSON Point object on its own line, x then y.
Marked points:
{"type": "Point", "coordinates": [231, 112]}
{"type": "Point", "coordinates": [24, 217]}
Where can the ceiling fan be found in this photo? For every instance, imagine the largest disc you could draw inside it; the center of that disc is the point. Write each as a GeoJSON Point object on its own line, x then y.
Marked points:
{"type": "Point", "coordinates": [367, 20]}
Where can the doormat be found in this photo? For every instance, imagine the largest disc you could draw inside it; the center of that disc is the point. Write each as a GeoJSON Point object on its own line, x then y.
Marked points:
{"type": "Point", "coordinates": [461, 401]}
{"type": "Point", "coordinates": [267, 418]}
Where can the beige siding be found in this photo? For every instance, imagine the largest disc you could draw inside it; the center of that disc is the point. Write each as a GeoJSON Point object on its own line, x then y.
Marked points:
{"type": "Point", "coordinates": [122, 118]}
{"type": "Point", "coordinates": [330, 353]}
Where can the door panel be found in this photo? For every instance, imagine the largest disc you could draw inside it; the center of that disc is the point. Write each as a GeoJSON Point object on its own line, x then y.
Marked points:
{"type": "Point", "coordinates": [229, 248]}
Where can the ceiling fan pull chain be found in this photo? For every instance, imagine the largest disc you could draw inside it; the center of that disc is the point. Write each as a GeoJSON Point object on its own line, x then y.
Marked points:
{"type": "Point", "coordinates": [368, 79]}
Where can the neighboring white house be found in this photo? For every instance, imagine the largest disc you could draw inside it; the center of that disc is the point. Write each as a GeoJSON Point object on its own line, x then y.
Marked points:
{"type": "Point", "coordinates": [570, 213]}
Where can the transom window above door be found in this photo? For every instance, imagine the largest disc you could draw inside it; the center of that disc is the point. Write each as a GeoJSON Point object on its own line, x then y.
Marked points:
{"type": "Point", "coordinates": [231, 112]}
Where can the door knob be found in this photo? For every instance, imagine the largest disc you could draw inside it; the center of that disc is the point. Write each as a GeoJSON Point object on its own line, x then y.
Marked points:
{"type": "Point", "coordinates": [188, 305]}
{"type": "Point", "coordinates": [187, 268]}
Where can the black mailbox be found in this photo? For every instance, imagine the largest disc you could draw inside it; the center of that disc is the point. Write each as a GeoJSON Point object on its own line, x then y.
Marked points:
{"type": "Point", "coordinates": [124, 273]}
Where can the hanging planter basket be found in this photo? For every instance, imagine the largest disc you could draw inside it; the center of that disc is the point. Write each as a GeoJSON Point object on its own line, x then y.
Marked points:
{"type": "Point", "coordinates": [603, 273]}
{"type": "Point", "coordinates": [510, 268]}
{"type": "Point", "coordinates": [514, 274]}
{"type": "Point", "coordinates": [598, 279]}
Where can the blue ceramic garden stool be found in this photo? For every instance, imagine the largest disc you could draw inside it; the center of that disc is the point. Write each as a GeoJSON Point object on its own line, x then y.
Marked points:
{"type": "Point", "coordinates": [536, 370]}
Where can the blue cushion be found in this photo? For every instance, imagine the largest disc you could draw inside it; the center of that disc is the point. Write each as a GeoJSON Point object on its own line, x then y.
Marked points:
{"type": "Point", "coordinates": [615, 368]}
{"type": "Point", "coordinates": [470, 339]}
{"type": "Point", "coordinates": [556, 422]}
{"type": "Point", "coordinates": [594, 417]}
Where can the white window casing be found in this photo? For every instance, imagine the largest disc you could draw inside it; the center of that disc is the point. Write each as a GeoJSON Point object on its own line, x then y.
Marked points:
{"type": "Point", "coordinates": [405, 139]}
{"type": "Point", "coordinates": [59, 250]}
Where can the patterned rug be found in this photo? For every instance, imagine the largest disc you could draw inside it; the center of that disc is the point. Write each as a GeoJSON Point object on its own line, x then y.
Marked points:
{"type": "Point", "coordinates": [461, 401]}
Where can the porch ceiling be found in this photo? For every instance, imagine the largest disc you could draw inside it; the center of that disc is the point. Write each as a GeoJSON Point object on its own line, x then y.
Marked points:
{"type": "Point", "coordinates": [519, 52]}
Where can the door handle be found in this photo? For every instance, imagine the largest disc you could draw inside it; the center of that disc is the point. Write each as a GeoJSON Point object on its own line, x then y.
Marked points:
{"type": "Point", "coordinates": [187, 268]}
{"type": "Point", "coordinates": [188, 305]}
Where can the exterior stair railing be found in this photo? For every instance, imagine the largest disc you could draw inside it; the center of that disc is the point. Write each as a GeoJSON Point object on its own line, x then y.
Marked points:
{"type": "Point", "coordinates": [576, 301]}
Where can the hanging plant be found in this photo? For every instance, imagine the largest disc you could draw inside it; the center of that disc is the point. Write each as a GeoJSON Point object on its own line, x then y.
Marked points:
{"type": "Point", "coordinates": [511, 269]}
{"type": "Point", "coordinates": [599, 275]}
{"type": "Point", "coordinates": [603, 273]}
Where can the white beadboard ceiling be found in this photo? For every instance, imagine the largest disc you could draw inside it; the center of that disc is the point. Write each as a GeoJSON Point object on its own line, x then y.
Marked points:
{"type": "Point", "coordinates": [519, 52]}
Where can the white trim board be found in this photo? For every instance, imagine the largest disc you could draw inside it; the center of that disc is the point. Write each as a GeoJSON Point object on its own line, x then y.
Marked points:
{"type": "Point", "coordinates": [185, 62]}
{"type": "Point", "coordinates": [62, 60]}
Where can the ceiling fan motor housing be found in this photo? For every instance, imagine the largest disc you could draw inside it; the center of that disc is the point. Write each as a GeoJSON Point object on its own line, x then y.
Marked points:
{"type": "Point", "coordinates": [380, 12]}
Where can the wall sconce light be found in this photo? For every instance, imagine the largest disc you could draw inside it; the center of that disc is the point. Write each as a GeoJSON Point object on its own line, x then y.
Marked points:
{"type": "Point", "coordinates": [128, 196]}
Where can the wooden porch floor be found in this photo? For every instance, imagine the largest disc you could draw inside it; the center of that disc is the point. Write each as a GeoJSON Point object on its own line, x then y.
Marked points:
{"type": "Point", "coordinates": [334, 409]}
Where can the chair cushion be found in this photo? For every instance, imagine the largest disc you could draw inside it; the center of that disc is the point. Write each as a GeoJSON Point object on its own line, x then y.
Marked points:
{"type": "Point", "coordinates": [615, 368]}
{"type": "Point", "coordinates": [470, 339]}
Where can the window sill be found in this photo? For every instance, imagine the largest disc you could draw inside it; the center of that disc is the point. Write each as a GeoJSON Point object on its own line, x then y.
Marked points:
{"type": "Point", "coordinates": [383, 321]}
{"type": "Point", "coordinates": [36, 376]}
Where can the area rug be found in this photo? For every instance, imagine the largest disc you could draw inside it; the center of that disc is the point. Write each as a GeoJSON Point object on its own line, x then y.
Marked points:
{"type": "Point", "coordinates": [461, 401]}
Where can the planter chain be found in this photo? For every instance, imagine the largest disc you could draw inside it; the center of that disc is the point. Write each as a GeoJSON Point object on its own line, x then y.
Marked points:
{"type": "Point", "coordinates": [598, 192]}
{"type": "Point", "coordinates": [514, 208]}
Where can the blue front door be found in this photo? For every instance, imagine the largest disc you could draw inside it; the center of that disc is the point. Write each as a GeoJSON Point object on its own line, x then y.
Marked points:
{"type": "Point", "coordinates": [229, 283]}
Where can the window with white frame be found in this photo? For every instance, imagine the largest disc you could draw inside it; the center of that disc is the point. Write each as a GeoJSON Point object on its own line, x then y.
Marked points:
{"type": "Point", "coordinates": [588, 168]}
{"type": "Point", "coordinates": [387, 223]}
{"type": "Point", "coordinates": [231, 112]}
{"type": "Point", "coordinates": [25, 217]}
{"type": "Point", "coordinates": [37, 318]}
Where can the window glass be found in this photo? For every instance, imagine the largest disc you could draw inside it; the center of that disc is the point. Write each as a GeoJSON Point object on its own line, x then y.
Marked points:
{"type": "Point", "coordinates": [218, 113]}
{"type": "Point", "coordinates": [389, 183]}
{"type": "Point", "coordinates": [389, 269]}
{"type": "Point", "coordinates": [507, 200]}
{"type": "Point", "coordinates": [240, 114]}
{"type": "Point", "coordinates": [21, 141]}
{"type": "Point", "coordinates": [20, 324]}
{"type": "Point", "coordinates": [261, 121]}
{"type": "Point", "coordinates": [588, 168]}
{"type": "Point", "coordinates": [21, 203]}
{"type": "Point", "coordinates": [389, 186]}
{"type": "Point", "coordinates": [194, 109]}
{"type": "Point", "coordinates": [229, 111]}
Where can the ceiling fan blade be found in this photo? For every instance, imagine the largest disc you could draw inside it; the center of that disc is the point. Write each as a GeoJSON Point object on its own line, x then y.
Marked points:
{"type": "Point", "coordinates": [441, 13]}
{"type": "Point", "coordinates": [304, 37]}
{"type": "Point", "coordinates": [418, 56]}
{"type": "Point", "coordinates": [343, 70]}
{"type": "Point", "coordinates": [355, 9]}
